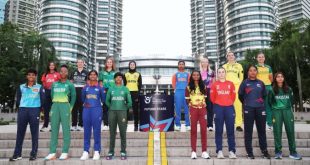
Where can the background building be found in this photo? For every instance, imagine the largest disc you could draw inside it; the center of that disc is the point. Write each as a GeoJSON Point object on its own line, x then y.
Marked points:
{"type": "Point", "coordinates": [2, 10]}
{"type": "Point", "coordinates": [293, 10]}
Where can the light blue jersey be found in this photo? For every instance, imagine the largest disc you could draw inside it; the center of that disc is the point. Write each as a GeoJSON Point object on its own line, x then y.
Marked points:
{"type": "Point", "coordinates": [30, 97]}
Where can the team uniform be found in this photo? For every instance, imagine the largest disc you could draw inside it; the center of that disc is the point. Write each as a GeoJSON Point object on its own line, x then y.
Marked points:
{"type": "Point", "coordinates": [264, 71]}
{"type": "Point", "coordinates": [118, 101]}
{"type": "Point", "coordinates": [179, 83]}
{"type": "Point", "coordinates": [107, 79]}
{"type": "Point", "coordinates": [234, 73]}
{"type": "Point", "coordinates": [63, 96]}
{"type": "Point", "coordinates": [223, 95]}
{"type": "Point", "coordinates": [92, 97]}
{"type": "Point", "coordinates": [252, 94]}
{"type": "Point", "coordinates": [79, 80]}
{"type": "Point", "coordinates": [197, 105]}
{"type": "Point", "coordinates": [48, 80]}
{"type": "Point", "coordinates": [29, 101]}
{"type": "Point", "coordinates": [133, 81]}
{"type": "Point", "coordinates": [281, 105]}
{"type": "Point", "coordinates": [208, 78]}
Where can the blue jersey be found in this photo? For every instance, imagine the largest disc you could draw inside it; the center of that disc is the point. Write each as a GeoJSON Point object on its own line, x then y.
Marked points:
{"type": "Point", "coordinates": [30, 97]}
{"type": "Point", "coordinates": [92, 96]}
{"type": "Point", "coordinates": [181, 80]}
{"type": "Point", "coordinates": [252, 93]}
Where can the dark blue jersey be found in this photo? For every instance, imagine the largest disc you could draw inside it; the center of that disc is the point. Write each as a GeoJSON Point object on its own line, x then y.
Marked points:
{"type": "Point", "coordinates": [93, 96]}
{"type": "Point", "coordinates": [252, 93]}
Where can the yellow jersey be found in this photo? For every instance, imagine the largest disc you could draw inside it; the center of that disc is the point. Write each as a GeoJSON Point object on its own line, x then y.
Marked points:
{"type": "Point", "coordinates": [234, 72]}
{"type": "Point", "coordinates": [196, 98]}
{"type": "Point", "coordinates": [263, 73]}
{"type": "Point", "coordinates": [132, 81]}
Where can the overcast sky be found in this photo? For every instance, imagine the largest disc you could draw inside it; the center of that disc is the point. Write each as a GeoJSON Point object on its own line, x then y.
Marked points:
{"type": "Point", "coordinates": [156, 27]}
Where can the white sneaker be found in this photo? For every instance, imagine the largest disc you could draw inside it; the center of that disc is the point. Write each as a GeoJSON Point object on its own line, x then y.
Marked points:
{"type": "Point", "coordinates": [73, 128]}
{"type": "Point", "coordinates": [177, 128]}
{"type": "Point", "coordinates": [210, 129]}
{"type": "Point", "coordinates": [79, 128]}
{"type": "Point", "coordinates": [105, 128]}
{"type": "Point", "coordinates": [220, 155]}
{"type": "Point", "coordinates": [269, 128]}
{"type": "Point", "coordinates": [188, 128]}
{"type": "Point", "coordinates": [85, 156]}
{"type": "Point", "coordinates": [96, 155]}
{"type": "Point", "coordinates": [44, 129]}
{"type": "Point", "coordinates": [205, 155]}
{"type": "Point", "coordinates": [194, 155]}
{"type": "Point", "coordinates": [63, 156]}
{"type": "Point", "coordinates": [232, 155]}
{"type": "Point", "coordinates": [51, 156]}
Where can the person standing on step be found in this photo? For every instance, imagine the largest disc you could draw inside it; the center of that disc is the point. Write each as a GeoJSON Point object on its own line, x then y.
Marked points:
{"type": "Point", "coordinates": [106, 79]}
{"type": "Point", "coordinates": [30, 99]}
{"type": "Point", "coordinates": [223, 95]}
{"type": "Point", "coordinates": [133, 81]}
{"type": "Point", "coordinates": [118, 102]}
{"type": "Point", "coordinates": [48, 78]}
{"type": "Point", "coordinates": [63, 97]}
{"type": "Point", "coordinates": [78, 78]}
{"type": "Point", "coordinates": [179, 83]}
{"type": "Point", "coordinates": [234, 73]}
{"type": "Point", "coordinates": [265, 75]}
{"type": "Point", "coordinates": [252, 93]}
{"type": "Point", "coordinates": [92, 97]}
{"type": "Point", "coordinates": [281, 101]}
{"type": "Point", "coordinates": [195, 95]}
{"type": "Point", "coordinates": [208, 78]}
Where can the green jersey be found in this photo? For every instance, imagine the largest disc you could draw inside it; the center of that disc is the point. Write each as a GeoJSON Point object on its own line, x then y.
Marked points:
{"type": "Point", "coordinates": [107, 78]}
{"type": "Point", "coordinates": [63, 92]}
{"type": "Point", "coordinates": [282, 100]}
{"type": "Point", "coordinates": [118, 98]}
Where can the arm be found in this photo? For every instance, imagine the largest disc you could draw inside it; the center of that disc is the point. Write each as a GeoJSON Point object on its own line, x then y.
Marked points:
{"type": "Point", "coordinates": [18, 96]}
{"type": "Point", "coordinates": [241, 92]}
{"type": "Point", "coordinates": [241, 75]}
{"type": "Point", "coordinates": [125, 80]}
{"type": "Point", "coordinates": [291, 96]}
{"type": "Point", "coordinates": [129, 102]}
{"type": "Point", "coordinates": [213, 93]}
{"type": "Point", "coordinates": [83, 98]}
{"type": "Point", "coordinates": [139, 82]}
{"type": "Point", "coordinates": [102, 94]}
{"type": "Point", "coordinates": [270, 75]}
{"type": "Point", "coordinates": [173, 81]}
{"type": "Point", "coordinates": [42, 96]}
{"type": "Point", "coordinates": [108, 99]}
{"type": "Point", "coordinates": [100, 78]}
{"type": "Point", "coordinates": [71, 77]}
{"type": "Point", "coordinates": [264, 92]}
{"type": "Point", "coordinates": [187, 95]}
{"type": "Point", "coordinates": [270, 98]}
{"type": "Point", "coordinates": [72, 95]}
{"type": "Point", "coordinates": [232, 92]}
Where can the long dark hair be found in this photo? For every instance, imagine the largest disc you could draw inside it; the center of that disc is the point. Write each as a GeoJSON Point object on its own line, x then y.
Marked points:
{"type": "Point", "coordinates": [201, 85]}
{"type": "Point", "coordinates": [248, 69]}
{"type": "Point", "coordinates": [275, 86]}
{"type": "Point", "coordinates": [48, 67]}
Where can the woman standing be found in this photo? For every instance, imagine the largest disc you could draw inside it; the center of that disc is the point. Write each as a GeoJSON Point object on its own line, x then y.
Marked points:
{"type": "Point", "coordinates": [252, 93]}
{"type": "Point", "coordinates": [48, 78]}
{"type": "Point", "coordinates": [223, 95]}
{"type": "Point", "coordinates": [208, 75]}
{"type": "Point", "coordinates": [106, 79]}
{"type": "Point", "coordinates": [92, 97]}
{"type": "Point", "coordinates": [195, 95]}
{"type": "Point", "coordinates": [281, 102]}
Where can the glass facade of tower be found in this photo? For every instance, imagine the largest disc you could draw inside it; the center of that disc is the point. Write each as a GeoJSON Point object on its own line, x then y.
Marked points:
{"type": "Point", "coordinates": [293, 10]}
{"type": "Point", "coordinates": [2, 10]}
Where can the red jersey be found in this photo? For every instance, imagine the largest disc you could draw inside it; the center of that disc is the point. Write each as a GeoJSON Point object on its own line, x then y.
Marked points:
{"type": "Point", "coordinates": [49, 79]}
{"type": "Point", "coordinates": [223, 93]}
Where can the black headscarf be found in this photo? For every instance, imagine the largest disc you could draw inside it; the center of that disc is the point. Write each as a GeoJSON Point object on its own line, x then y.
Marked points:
{"type": "Point", "coordinates": [132, 70]}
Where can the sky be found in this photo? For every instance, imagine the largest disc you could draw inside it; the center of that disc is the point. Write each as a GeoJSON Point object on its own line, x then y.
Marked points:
{"type": "Point", "coordinates": [156, 27]}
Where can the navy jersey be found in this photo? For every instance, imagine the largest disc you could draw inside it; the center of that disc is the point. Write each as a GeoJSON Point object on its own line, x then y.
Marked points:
{"type": "Point", "coordinates": [252, 93]}
{"type": "Point", "coordinates": [93, 96]}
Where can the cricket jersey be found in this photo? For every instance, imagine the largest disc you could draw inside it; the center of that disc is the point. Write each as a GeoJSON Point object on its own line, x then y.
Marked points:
{"type": "Point", "coordinates": [196, 98]}
{"type": "Point", "coordinates": [30, 97]}
{"type": "Point", "coordinates": [93, 95]}
{"type": "Point", "coordinates": [79, 78]}
{"type": "Point", "coordinates": [252, 93]}
{"type": "Point", "coordinates": [223, 93]}
{"type": "Point", "coordinates": [107, 79]}
{"type": "Point", "coordinates": [282, 100]}
{"type": "Point", "coordinates": [63, 92]}
{"type": "Point", "coordinates": [234, 72]}
{"type": "Point", "coordinates": [133, 81]}
{"type": "Point", "coordinates": [180, 80]}
{"type": "Point", "coordinates": [49, 79]}
{"type": "Point", "coordinates": [207, 78]}
{"type": "Point", "coordinates": [263, 73]}
{"type": "Point", "coordinates": [118, 98]}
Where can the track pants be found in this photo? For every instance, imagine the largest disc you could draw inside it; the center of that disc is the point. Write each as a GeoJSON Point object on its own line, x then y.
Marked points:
{"type": "Point", "coordinates": [47, 107]}
{"type": "Point", "coordinates": [118, 118]}
{"type": "Point", "coordinates": [198, 114]}
{"type": "Point", "coordinates": [268, 108]}
{"type": "Point", "coordinates": [25, 116]}
{"type": "Point", "coordinates": [285, 116]}
{"type": "Point", "coordinates": [77, 111]}
{"type": "Point", "coordinates": [105, 113]}
{"type": "Point", "coordinates": [179, 102]}
{"type": "Point", "coordinates": [92, 121]}
{"type": "Point", "coordinates": [259, 116]}
{"type": "Point", "coordinates": [224, 114]}
{"type": "Point", "coordinates": [60, 114]}
{"type": "Point", "coordinates": [210, 110]}
{"type": "Point", "coordinates": [238, 108]}
{"type": "Point", "coordinates": [135, 106]}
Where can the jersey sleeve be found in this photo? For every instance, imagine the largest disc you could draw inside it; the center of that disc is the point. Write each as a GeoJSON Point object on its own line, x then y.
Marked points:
{"type": "Point", "coordinates": [241, 92]}
{"type": "Point", "coordinates": [102, 94]}
{"type": "Point", "coordinates": [42, 96]}
{"type": "Point", "coordinates": [139, 82]}
{"type": "Point", "coordinates": [213, 93]}
{"type": "Point", "coordinates": [83, 97]}
{"type": "Point", "coordinates": [128, 97]}
{"type": "Point", "coordinates": [72, 95]}
{"type": "Point", "coordinates": [108, 99]}
{"type": "Point", "coordinates": [124, 80]}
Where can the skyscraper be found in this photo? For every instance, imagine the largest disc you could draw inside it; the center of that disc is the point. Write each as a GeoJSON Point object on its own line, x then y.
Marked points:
{"type": "Point", "coordinates": [293, 10]}
{"type": "Point", "coordinates": [2, 10]}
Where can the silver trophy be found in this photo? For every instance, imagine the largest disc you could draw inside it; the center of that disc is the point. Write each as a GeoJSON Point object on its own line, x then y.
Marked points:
{"type": "Point", "coordinates": [156, 76]}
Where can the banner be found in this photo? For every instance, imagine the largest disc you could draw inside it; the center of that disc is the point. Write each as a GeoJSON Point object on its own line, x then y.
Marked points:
{"type": "Point", "coordinates": [156, 113]}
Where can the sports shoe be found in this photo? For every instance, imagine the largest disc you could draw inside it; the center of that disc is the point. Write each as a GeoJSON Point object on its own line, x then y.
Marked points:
{"type": "Point", "coordinates": [194, 155]}
{"type": "Point", "coordinates": [84, 156]}
{"type": "Point", "coordinates": [110, 156]}
{"type": "Point", "coordinates": [177, 128]}
{"type": "Point", "coordinates": [33, 157]}
{"type": "Point", "coordinates": [105, 128]}
{"type": "Point", "coordinates": [220, 155]}
{"type": "Point", "coordinates": [123, 156]}
{"type": "Point", "coordinates": [14, 158]}
{"type": "Point", "coordinates": [63, 156]}
{"type": "Point", "coordinates": [210, 129]}
{"type": "Point", "coordinates": [79, 128]}
{"type": "Point", "coordinates": [250, 156]}
{"type": "Point", "coordinates": [239, 129]}
{"type": "Point", "coordinates": [44, 129]}
{"type": "Point", "coordinates": [188, 128]}
{"type": "Point", "coordinates": [51, 156]}
{"type": "Point", "coordinates": [295, 156]}
{"type": "Point", "coordinates": [266, 154]}
{"type": "Point", "coordinates": [96, 155]}
{"type": "Point", "coordinates": [269, 128]}
{"type": "Point", "coordinates": [205, 155]}
{"type": "Point", "coordinates": [73, 128]}
{"type": "Point", "coordinates": [232, 155]}
{"type": "Point", "coordinates": [278, 155]}
{"type": "Point", "coordinates": [136, 128]}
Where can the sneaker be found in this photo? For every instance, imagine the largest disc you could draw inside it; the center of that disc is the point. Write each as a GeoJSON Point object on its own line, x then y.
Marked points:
{"type": "Point", "coordinates": [177, 128]}
{"type": "Point", "coordinates": [295, 156]}
{"type": "Point", "coordinates": [84, 156]}
{"type": "Point", "coordinates": [63, 156]}
{"type": "Point", "coordinates": [110, 156]}
{"type": "Point", "coordinates": [79, 128]}
{"type": "Point", "coordinates": [188, 128]}
{"type": "Point", "coordinates": [73, 128]}
{"type": "Point", "coordinates": [96, 155]}
{"type": "Point", "coordinates": [220, 155]}
{"type": "Point", "coordinates": [269, 128]}
{"type": "Point", "coordinates": [105, 128]}
{"type": "Point", "coordinates": [14, 158]}
{"type": "Point", "coordinates": [278, 155]}
{"type": "Point", "coordinates": [32, 157]}
{"type": "Point", "coordinates": [123, 156]}
{"type": "Point", "coordinates": [194, 155]}
{"type": "Point", "coordinates": [239, 129]}
{"type": "Point", "coordinates": [205, 155]}
{"type": "Point", "coordinates": [266, 155]}
{"type": "Point", "coordinates": [210, 129]}
{"type": "Point", "coordinates": [51, 156]}
{"type": "Point", "coordinates": [136, 128]}
{"type": "Point", "coordinates": [232, 155]}
{"type": "Point", "coordinates": [250, 156]}
{"type": "Point", "coordinates": [44, 129]}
